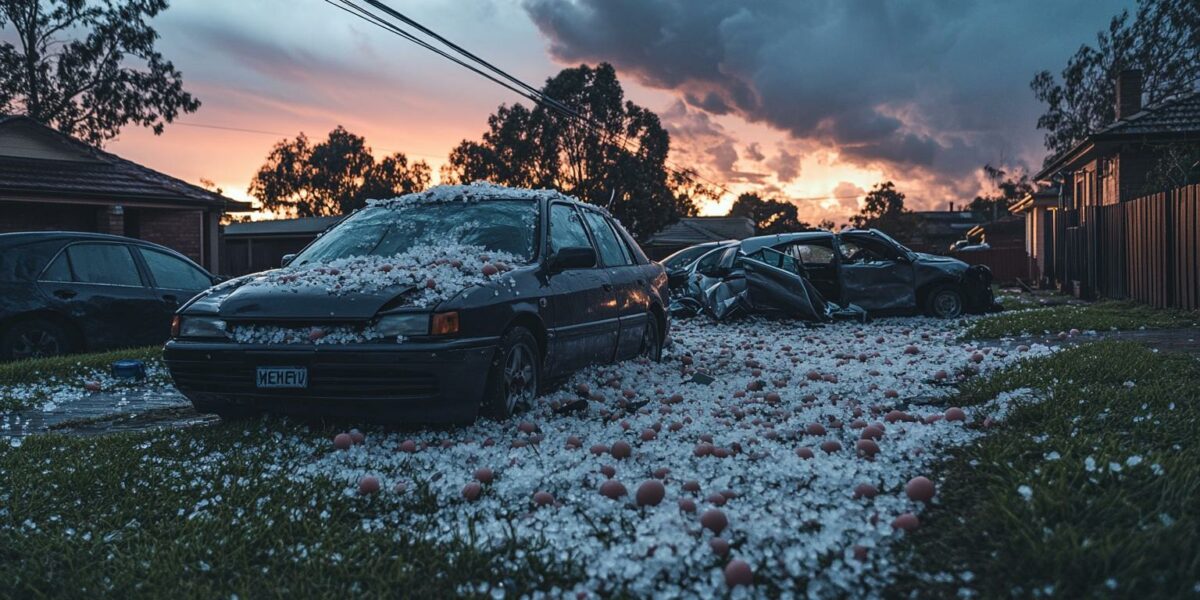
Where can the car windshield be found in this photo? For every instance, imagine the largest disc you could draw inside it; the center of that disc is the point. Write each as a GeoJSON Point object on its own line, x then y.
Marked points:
{"type": "Point", "coordinates": [386, 230]}
{"type": "Point", "coordinates": [685, 257]}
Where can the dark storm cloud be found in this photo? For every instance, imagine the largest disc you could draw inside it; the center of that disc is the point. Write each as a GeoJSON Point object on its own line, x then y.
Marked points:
{"type": "Point", "coordinates": [940, 86]}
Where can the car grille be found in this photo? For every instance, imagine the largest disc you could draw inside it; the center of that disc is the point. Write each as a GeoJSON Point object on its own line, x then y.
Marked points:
{"type": "Point", "coordinates": [327, 380]}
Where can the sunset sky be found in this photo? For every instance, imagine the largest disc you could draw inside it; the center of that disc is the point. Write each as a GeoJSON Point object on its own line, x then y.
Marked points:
{"type": "Point", "coordinates": [808, 100]}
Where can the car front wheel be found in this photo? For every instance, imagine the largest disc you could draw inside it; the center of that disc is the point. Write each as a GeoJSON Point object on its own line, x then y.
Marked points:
{"type": "Point", "coordinates": [515, 374]}
{"type": "Point", "coordinates": [944, 302]}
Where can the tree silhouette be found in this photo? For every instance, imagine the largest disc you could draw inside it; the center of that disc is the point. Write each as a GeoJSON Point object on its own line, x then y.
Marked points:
{"type": "Point", "coordinates": [1008, 188]}
{"type": "Point", "coordinates": [615, 157]}
{"type": "Point", "coordinates": [769, 216]}
{"type": "Point", "coordinates": [883, 209]}
{"type": "Point", "coordinates": [332, 177]}
{"type": "Point", "coordinates": [1162, 40]}
{"type": "Point", "coordinates": [88, 69]}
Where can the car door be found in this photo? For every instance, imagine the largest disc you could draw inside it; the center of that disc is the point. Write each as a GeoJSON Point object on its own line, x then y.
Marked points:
{"type": "Point", "coordinates": [174, 280]}
{"type": "Point", "coordinates": [583, 324]}
{"type": "Point", "coordinates": [875, 274]}
{"type": "Point", "coordinates": [99, 287]}
{"type": "Point", "coordinates": [628, 284]}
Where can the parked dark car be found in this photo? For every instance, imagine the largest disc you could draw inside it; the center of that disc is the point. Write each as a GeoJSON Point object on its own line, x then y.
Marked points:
{"type": "Point", "coordinates": [431, 340]}
{"type": "Point", "coordinates": [864, 268]}
{"type": "Point", "coordinates": [64, 292]}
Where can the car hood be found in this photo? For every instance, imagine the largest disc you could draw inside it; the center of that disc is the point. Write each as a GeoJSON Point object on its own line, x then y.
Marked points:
{"type": "Point", "coordinates": [937, 259]}
{"type": "Point", "coordinates": [267, 302]}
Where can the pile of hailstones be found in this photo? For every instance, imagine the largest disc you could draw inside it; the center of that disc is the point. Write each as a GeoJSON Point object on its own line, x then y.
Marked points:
{"type": "Point", "coordinates": [803, 458]}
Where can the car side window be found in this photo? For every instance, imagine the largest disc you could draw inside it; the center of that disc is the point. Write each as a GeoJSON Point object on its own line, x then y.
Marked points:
{"type": "Point", "coordinates": [709, 262]}
{"type": "Point", "coordinates": [109, 264]}
{"type": "Point", "coordinates": [172, 273]}
{"type": "Point", "coordinates": [862, 251]}
{"type": "Point", "coordinates": [777, 259]}
{"type": "Point", "coordinates": [612, 251]}
{"type": "Point", "coordinates": [811, 254]}
{"type": "Point", "coordinates": [566, 228]}
{"type": "Point", "coordinates": [59, 270]}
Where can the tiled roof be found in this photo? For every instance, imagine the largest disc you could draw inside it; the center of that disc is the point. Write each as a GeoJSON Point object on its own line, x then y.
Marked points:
{"type": "Point", "coordinates": [282, 227]}
{"type": "Point", "coordinates": [101, 174]}
{"type": "Point", "coordinates": [697, 230]}
{"type": "Point", "coordinates": [1174, 117]}
{"type": "Point", "coordinates": [1180, 114]}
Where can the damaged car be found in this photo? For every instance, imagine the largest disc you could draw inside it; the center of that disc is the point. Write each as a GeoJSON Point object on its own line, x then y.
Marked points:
{"type": "Point", "coordinates": [820, 275]}
{"type": "Point", "coordinates": [433, 307]}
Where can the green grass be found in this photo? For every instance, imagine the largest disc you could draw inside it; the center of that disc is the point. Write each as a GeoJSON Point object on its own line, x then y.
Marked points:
{"type": "Point", "coordinates": [72, 365]}
{"type": "Point", "coordinates": [1101, 316]}
{"type": "Point", "coordinates": [1097, 533]}
{"type": "Point", "coordinates": [116, 516]}
{"type": "Point", "coordinates": [71, 371]}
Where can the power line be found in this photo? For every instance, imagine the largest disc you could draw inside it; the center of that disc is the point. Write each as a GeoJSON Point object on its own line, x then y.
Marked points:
{"type": "Point", "coordinates": [526, 90]}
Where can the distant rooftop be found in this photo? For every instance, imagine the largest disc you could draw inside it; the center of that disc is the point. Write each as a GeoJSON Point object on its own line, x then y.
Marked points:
{"type": "Point", "coordinates": [89, 172]}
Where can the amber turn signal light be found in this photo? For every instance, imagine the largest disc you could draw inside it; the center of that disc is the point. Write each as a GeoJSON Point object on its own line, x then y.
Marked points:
{"type": "Point", "coordinates": [175, 326]}
{"type": "Point", "coordinates": [444, 323]}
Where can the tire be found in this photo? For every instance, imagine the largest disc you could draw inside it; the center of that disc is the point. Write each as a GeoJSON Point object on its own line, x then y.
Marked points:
{"type": "Point", "coordinates": [515, 375]}
{"type": "Point", "coordinates": [35, 338]}
{"type": "Point", "coordinates": [944, 302]}
{"type": "Point", "coordinates": [652, 343]}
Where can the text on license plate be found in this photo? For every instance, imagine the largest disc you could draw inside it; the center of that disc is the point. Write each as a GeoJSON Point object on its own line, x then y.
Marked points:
{"type": "Point", "coordinates": [282, 377]}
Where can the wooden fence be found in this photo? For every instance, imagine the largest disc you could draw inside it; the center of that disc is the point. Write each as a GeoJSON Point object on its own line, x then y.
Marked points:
{"type": "Point", "coordinates": [1147, 249]}
{"type": "Point", "coordinates": [1007, 264]}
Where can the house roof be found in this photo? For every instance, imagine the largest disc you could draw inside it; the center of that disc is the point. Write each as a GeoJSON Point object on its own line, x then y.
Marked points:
{"type": "Point", "coordinates": [94, 174]}
{"type": "Point", "coordinates": [1043, 198]}
{"type": "Point", "coordinates": [1177, 117]}
{"type": "Point", "coordinates": [697, 230]}
{"type": "Point", "coordinates": [302, 226]}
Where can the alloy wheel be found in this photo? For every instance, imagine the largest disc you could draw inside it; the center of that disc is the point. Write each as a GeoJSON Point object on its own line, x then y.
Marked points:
{"type": "Point", "coordinates": [520, 377]}
{"type": "Point", "coordinates": [947, 304]}
{"type": "Point", "coordinates": [36, 344]}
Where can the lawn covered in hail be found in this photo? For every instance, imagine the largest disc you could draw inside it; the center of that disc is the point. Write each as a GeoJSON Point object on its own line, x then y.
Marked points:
{"type": "Point", "coordinates": [760, 477]}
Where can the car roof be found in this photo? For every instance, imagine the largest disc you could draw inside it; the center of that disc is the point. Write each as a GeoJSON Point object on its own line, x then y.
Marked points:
{"type": "Point", "coordinates": [754, 244]}
{"type": "Point", "coordinates": [481, 190]}
{"type": "Point", "coordinates": [14, 239]}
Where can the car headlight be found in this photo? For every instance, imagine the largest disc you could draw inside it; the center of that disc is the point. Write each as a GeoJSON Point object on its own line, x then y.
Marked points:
{"type": "Point", "coordinates": [403, 324]}
{"type": "Point", "coordinates": [200, 327]}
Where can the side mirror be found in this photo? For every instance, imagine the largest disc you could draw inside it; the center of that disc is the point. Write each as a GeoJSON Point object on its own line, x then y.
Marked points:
{"type": "Point", "coordinates": [573, 257]}
{"type": "Point", "coordinates": [287, 260]}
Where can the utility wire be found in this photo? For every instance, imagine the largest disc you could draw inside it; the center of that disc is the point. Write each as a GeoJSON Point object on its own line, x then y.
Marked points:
{"type": "Point", "coordinates": [526, 90]}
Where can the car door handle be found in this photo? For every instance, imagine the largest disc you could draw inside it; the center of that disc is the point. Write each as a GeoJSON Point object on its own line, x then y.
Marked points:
{"type": "Point", "coordinates": [641, 282]}
{"type": "Point", "coordinates": [608, 287]}
{"type": "Point", "coordinates": [65, 294]}
{"type": "Point", "coordinates": [170, 299]}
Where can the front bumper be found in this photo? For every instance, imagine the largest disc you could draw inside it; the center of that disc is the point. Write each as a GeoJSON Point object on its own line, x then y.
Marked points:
{"type": "Point", "coordinates": [440, 382]}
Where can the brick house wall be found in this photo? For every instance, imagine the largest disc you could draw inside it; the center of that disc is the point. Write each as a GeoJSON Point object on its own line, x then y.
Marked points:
{"type": "Point", "coordinates": [180, 230]}
{"type": "Point", "coordinates": [28, 216]}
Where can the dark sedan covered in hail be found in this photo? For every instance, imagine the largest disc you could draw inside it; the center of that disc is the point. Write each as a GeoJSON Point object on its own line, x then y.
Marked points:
{"type": "Point", "coordinates": [432, 307]}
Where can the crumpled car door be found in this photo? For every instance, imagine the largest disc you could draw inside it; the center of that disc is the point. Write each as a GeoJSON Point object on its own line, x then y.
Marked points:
{"type": "Point", "coordinates": [878, 284]}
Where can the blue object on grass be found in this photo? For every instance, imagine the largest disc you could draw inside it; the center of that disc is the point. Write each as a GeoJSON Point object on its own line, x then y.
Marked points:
{"type": "Point", "coordinates": [129, 369]}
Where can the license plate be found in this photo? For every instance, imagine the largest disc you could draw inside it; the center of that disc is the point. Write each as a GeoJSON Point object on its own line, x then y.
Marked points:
{"type": "Point", "coordinates": [282, 377]}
